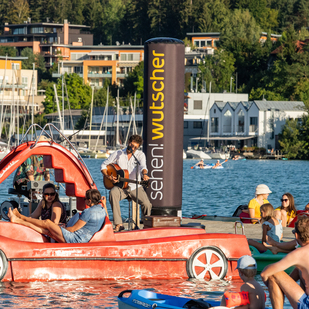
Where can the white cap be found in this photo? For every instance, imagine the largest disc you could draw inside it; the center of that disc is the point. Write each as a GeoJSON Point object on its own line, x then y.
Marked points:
{"type": "Point", "coordinates": [246, 262]}
{"type": "Point", "coordinates": [262, 189]}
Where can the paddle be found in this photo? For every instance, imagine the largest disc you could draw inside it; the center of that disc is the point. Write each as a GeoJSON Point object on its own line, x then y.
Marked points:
{"type": "Point", "coordinates": [214, 167]}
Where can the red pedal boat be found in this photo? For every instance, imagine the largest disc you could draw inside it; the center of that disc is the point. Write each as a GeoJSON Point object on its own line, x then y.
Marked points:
{"type": "Point", "coordinates": [159, 253]}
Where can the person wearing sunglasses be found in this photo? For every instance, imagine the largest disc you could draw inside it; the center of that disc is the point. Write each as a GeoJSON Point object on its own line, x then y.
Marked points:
{"type": "Point", "coordinates": [50, 206]}
{"type": "Point", "coordinates": [90, 221]}
{"type": "Point", "coordinates": [279, 283]}
{"type": "Point", "coordinates": [287, 212]}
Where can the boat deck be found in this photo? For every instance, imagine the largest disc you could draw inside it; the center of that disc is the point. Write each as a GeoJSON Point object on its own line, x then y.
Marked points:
{"type": "Point", "coordinates": [253, 231]}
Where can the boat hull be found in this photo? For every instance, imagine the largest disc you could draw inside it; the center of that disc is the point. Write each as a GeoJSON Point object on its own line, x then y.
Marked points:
{"type": "Point", "coordinates": [157, 253]}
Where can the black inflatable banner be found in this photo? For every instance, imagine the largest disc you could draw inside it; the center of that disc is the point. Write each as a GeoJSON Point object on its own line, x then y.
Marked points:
{"type": "Point", "coordinates": [163, 123]}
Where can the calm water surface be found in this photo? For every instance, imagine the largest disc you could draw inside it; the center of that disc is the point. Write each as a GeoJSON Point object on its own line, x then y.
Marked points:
{"type": "Point", "coordinates": [204, 192]}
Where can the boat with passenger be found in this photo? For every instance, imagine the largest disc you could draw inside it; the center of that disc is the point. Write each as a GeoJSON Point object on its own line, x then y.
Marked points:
{"type": "Point", "coordinates": [158, 253]}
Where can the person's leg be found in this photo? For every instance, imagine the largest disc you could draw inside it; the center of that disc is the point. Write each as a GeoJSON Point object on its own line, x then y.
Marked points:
{"type": "Point", "coordinates": [45, 227]}
{"type": "Point", "coordinates": [281, 284]}
{"type": "Point", "coordinates": [286, 245]}
{"type": "Point", "coordinates": [143, 200]}
{"type": "Point", "coordinates": [115, 196]}
{"type": "Point", "coordinates": [257, 245]}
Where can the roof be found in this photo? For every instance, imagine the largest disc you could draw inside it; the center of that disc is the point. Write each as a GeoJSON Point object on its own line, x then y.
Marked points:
{"type": "Point", "coordinates": [220, 105]}
{"type": "Point", "coordinates": [233, 104]}
{"type": "Point", "coordinates": [247, 104]}
{"type": "Point", "coordinates": [280, 105]}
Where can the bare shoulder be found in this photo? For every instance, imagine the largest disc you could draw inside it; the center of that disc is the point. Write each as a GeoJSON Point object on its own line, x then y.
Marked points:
{"type": "Point", "coordinates": [56, 204]}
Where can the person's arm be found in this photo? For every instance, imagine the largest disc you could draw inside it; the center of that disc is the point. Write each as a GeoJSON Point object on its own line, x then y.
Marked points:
{"type": "Point", "coordinates": [289, 260]}
{"type": "Point", "coordinates": [37, 213]}
{"type": "Point", "coordinates": [144, 166]}
{"type": "Point", "coordinates": [111, 159]}
{"type": "Point", "coordinates": [252, 214]}
{"type": "Point", "coordinates": [78, 225]}
{"type": "Point", "coordinates": [266, 228]}
{"type": "Point", "coordinates": [56, 212]}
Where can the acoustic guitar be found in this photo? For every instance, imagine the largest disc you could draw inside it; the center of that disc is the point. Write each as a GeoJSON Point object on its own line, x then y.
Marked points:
{"type": "Point", "coordinates": [122, 176]}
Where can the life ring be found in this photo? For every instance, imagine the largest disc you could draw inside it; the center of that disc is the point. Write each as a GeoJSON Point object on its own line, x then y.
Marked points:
{"type": "Point", "coordinates": [234, 299]}
{"type": "Point", "coordinates": [207, 263]}
{"type": "Point", "coordinates": [3, 265]}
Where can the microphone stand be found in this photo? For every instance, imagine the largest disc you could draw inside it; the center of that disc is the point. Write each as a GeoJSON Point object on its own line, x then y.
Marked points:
{"type": "Point", "coordinates": [137, 165]}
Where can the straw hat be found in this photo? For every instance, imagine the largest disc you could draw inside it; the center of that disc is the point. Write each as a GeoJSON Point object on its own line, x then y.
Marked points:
{"type": "Point", "coordinates": [262, 189]}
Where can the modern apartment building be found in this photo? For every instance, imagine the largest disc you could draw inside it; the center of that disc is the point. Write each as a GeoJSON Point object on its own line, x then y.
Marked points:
{"type": "Point", "coordinates": [99, 62]}
{"type": "Point", "coordinates": [51, 40]}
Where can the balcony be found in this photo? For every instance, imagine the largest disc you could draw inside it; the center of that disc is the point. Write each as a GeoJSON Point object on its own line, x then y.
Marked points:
{"type": "Point", "coordinates": [97, 75]}
{"type": "Point", "coordinates": [240, 129]}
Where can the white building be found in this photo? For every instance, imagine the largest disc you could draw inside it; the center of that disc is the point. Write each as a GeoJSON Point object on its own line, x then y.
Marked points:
{"type": "Point", "coordinates": [197, 108]}
{"type": "Point", "coordinates": [253, 123]}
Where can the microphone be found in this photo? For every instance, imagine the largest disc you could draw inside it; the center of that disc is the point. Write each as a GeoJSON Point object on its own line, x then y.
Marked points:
{"type": "Point", "coordinates": [129, 148]}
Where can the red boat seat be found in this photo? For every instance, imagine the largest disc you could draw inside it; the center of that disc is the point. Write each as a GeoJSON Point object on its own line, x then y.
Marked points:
{"type": "Point", "coordinates": [105, 234]}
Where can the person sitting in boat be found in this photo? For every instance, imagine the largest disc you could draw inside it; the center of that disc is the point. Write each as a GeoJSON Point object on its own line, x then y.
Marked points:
{"type": "Point", "coordinates": [252, 295]}
{"type": "Point", "coordinates": [279, 283]}
{"type": "Point", "coordinates": [287, 211]}
{"type": "Point", "coordinates": [90, 221]}
{"type": "Point", "coordinates": [261, 194]}
{"type": "Point", "coordinates": [50, 206]}
{"type": "Point", "coordinates": [217, 164]}
{"type": "Point", "coordinates": [271, 226]}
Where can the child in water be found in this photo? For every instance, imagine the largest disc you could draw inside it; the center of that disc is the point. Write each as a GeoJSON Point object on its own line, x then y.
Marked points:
{"type": "Point", "coordinates": [271, 226]}
{"type": "Point", "coordinates": [252, 295]}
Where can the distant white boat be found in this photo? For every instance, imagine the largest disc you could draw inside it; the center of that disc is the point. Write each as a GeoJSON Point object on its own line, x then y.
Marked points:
{"type": "Point", "coordinates": [197, 154]}
{"type": "Point", "coordinates": [184, 155]}
{"type": "Point", "coordinates": [219, 155]}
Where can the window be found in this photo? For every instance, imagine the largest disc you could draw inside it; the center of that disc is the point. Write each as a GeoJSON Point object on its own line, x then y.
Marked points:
{"type": "Point", "coordinates": [51, 39]}
{"type": "Point", "coordinates": [19, 31]}
{"type": "Point", "coordinates": [241, 121]}
{"type": "Point", "coordinates": [197, 125]}
{"type": "Point", "coordinates": [214, 124]}
{"type": "Point", "coordinates": [93, 70]}
{"type": "Point", "coordinates": [185, 124]}
{"type": "Point", "coordinates": [253, 124]}
{"type": "Point", "coordinates": [202, 43]}
{"type": "Point", "coordinates": [15, 66]}
{"type": "Point", "coordinates": [208, 43]}
{"type": "Point", "coordinates": [107, 70]}
{"type": "Point", "coordinates": [78, 70]}
{"type": "Point", "coordinates": [24, 80]}
{"type": "Point", "coordinates": [198, 104]}
{"type": "Point", "coordinates": [37, 30]}
{"type": "Point", "coordinates": [227, 122]}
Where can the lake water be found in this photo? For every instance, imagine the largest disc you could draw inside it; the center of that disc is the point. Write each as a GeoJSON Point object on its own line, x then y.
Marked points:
{"type": "Point", "coordinates": [204, 192]}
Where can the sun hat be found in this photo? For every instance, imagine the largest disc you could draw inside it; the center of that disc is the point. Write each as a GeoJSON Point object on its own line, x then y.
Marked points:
{"type": "Point", "coordinates": [262, 189]}
{"type": "Point", "coordinates": [246, 262]}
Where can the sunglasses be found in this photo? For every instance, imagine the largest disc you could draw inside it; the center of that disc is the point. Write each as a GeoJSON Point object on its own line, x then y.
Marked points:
{"type": "Point", "coordinates": [50, 194]}
{"type": "Point", "coordinates": [284, 200]}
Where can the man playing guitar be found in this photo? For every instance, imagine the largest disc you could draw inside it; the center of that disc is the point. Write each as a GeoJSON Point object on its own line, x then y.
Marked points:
{"type": "Point", "coordinates": [125, 160]}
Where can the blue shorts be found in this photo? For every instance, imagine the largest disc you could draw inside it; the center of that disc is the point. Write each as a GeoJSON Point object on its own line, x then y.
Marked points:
{"type": "Point", "coordinates": [303, 302]}
{"type": "Point", "coordinates": [79, 236]}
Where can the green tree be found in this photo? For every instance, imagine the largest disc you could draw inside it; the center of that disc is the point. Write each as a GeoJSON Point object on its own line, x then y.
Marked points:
{"type": "Point", "coordinates": [18, 11]}
{"type": "Point", "coordinates": [36, 8]}
{"type": "Point", "coordinates": [218, 70]}
{"type": "Point", "coordinates": [134, 82]}
{"type": "Point", "coordinates": [8, 50]}
{"type": "Point", "coordinates": [75, 11]}
{"type": "Point", "coordinates": [78, 93]}
{"type": "Point", "coordinates": [213, 15]}
{"type": "Point", "coordinates": [289, 139]}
